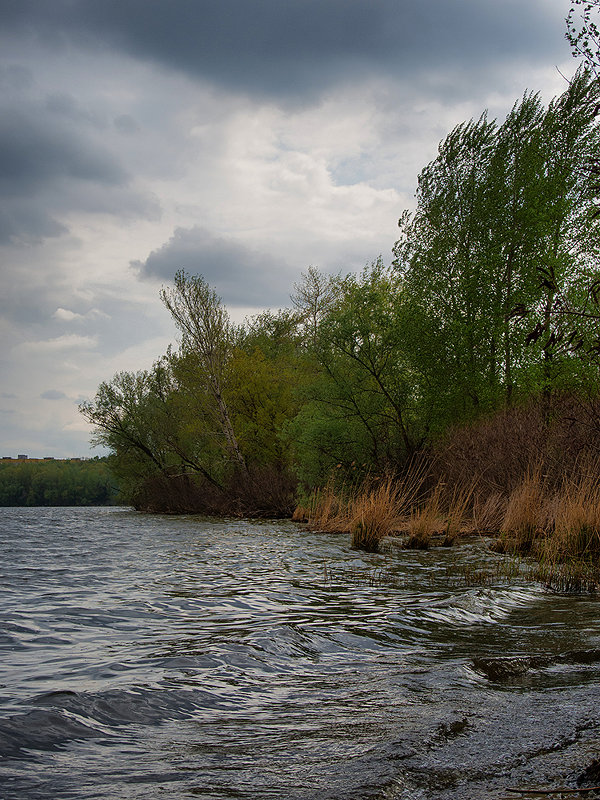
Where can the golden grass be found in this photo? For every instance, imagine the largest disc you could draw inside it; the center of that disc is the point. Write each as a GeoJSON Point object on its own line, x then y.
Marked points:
{"type": "Point", "coordinates": [373, 515]}
{"type": "Point", "coordinates": [301, 514]}
{"type": "Point", "coordinates": [377, 509]}
{"type": "Point", "coordinates": [425, 520]}
{"type": "Point", "coordinates": [459, 505]}
{"type": "Point", "coordinates": [369, 512]}
{"type": "Point", "coordinates": [326, 510]}
{"type": "Point", "coordinates": [525, 519]}
{"type": "Point", "coordinates": [560, 528]}
{"type": "Point", "coordinates": [569, 552]}
{"type": "Point", "coordinates": [488, 512]}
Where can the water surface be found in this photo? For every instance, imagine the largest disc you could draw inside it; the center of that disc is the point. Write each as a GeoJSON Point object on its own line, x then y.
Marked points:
{"type": "Point", "coordinates": [146, 657]}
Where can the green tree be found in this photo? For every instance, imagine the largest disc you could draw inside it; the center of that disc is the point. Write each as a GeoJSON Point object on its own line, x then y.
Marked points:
{"type": "Point", "coordinates": [361, 407]}
{"type": "Point", "coordinates": [312, 297]}
{"type": "Point", "coordinates": [207, 333]}
{"type": "Point", "coordinates": [583, 34]}
{"type": "Point", "coordinates": [502, 230]}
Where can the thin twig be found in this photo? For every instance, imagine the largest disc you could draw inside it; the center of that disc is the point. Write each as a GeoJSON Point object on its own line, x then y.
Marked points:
{"type": "Point", "coordinates": [556, 791]}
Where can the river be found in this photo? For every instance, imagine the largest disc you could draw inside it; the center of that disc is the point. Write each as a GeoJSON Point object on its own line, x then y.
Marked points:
{"type": "Point", "coordinates": [178, 657]}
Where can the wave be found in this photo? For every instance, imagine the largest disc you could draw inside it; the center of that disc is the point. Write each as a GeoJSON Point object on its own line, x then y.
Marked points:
{"type": "Point", "coordinates": [62, 716]}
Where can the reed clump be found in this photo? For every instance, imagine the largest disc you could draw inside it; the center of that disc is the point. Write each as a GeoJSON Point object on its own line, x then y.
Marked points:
{"type": "Point", "coordinates": [576, 518]}
{"type": "Point", "coordinates": [571, 577]}
{"type": "Point", "coordinates": [459, 518]}
{"type": "Point", "coordinates": [488, 512]}
{"type": "Point", "coordinates": [384, 507]}
{"type": "Point", "coordinates": [325, 510]}
{"type": "Point", "coordinates": [528, 476]}
{"type": "Point", "coordinates": [374, 514]}
{"type": "Point", "coordinates": [370, 512]}
{"type": "Point", "coordinates": [560, 527]}
{"type": "Point", "coordinates": [425, 520]}
{"type": "Point", "coordinates": [526, 516]}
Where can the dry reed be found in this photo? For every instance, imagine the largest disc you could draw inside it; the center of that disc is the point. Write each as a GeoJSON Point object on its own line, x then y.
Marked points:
{"type": "Point", "coordinates": [526, 515]}
{"type": "Point", "coordinates": [460, 502]}
{"type": "Point", "coordinates": [488, 512]}
{"type": "Point", "coordinates": [374, 514]}
{"type": "Point", "coordinates": [425, 521]}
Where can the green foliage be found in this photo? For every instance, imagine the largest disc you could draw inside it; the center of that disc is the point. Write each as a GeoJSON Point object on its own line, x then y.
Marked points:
{"type": "Point", "coordinates": [361, 407]}
{"type": "Point", "coordinates": [582, 32]}
{"type": "Point", "coordinates": [57, 483]}
{"type": "Point", "coordinates": [500, 251]}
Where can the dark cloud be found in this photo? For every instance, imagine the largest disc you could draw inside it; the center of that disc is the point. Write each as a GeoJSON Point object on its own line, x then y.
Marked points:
{"type": "Point", "coordinates": [296, 49]}
{"type": "Point", "coordinates": [53, 394]}
{"type": "Point", "coordinates": [241, 275]}
{"type": "Point", "coordinates": [51, 163]}
{"type": "Point", "coordinates": [22, 221]}
{"type": "Point", "coordinates": [33, 151]}
{"type": "Point", "coordinates": [126, 124]}
{"type": "Point", "coordinates": [65, 105]}
{"type": "Point", "coordinates": [15, 78]}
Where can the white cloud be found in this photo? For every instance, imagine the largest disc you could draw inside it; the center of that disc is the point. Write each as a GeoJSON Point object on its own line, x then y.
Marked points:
{"type": "Point", "coordinates": [66, 342]}
{"type": "Point", "coordinates": [65, 315]}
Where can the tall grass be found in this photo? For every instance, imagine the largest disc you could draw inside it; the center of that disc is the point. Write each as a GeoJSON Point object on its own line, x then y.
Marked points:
{"type": "Point", "coordinates": [560, 527]}
{"type": "Point", "coordinates": [529, 476]}
{"type": "Point", "coordinates": [374, 514]}
{"type": "Point", "coordinates": [459, 515]}
{"type": "Point", "coordinates": [425, 520]}
{"type": "Point", "coordinates": [369, 512]}
{"type": "Point", "coordinates": [379, 507]}
{"type": "Point", "coordinates": [526, 517]}
{"type": "Point", "coordinates": [325, 510]}
{"type": "Point", "coordinates": [576, 515]}
{"type": "Point", "coordinates": [489, 511]}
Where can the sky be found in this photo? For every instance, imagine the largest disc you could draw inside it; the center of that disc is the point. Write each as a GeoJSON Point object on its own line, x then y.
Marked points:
{"type": "Point", "coordinates": [241, 140]}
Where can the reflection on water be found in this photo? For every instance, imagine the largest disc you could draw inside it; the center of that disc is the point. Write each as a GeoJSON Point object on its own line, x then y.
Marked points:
{"type": "Point", "coordinates": [141, 656]}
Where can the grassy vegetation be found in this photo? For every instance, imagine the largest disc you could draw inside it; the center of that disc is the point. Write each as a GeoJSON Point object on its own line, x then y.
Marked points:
{"type": "Point", "coordinates": [542, 501]}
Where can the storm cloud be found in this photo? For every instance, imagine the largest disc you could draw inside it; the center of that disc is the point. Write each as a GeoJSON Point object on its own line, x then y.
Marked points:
{"type": "Point", "coordinates": [53, 160]}
{"type": "Point", "coordinates": [293, 50]}
{"type": "Point", "coordinates": [243, 276]}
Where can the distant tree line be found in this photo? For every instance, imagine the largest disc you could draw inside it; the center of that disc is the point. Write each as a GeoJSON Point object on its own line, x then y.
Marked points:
{"type": "Point", "coordinates": [57, 483]}
{"type": "Point", "coordinates": [491, 300]}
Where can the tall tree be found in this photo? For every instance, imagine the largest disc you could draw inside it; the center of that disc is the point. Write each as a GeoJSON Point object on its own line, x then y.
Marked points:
{"type": "Point", "coordinates": [502, 229]}
{"type": "Point", "coordinates": [312, 297]}
{"type": "Point", "coordinates": [206, 332]}
{"type": "Point", "coordinates": [362, 404]}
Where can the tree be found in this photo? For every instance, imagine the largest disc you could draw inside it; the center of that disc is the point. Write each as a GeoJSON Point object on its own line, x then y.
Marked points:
{"type": "Point", "coordinates": [312, 297]}
{"type": "Point", "coordinates": [443, 260]}
{"type": "Point", "coordinates": [207, 333]}
{"type": "Point", "coordinates": [362, 405]}
{"type": "Point", "coordinates": [583, 34]}
{"type": "Point", "coordinates": [121, 414]}
{"type": "Point", "coordinates": [502, 230]}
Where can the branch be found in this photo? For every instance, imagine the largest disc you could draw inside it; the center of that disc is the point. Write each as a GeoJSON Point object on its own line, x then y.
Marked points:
{"type": "Point", "coordinates": [555, 791]}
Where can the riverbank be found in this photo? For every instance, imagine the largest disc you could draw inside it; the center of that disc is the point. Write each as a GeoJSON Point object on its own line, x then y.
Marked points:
{"type": "Point", "coordinates": [528, 478]}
